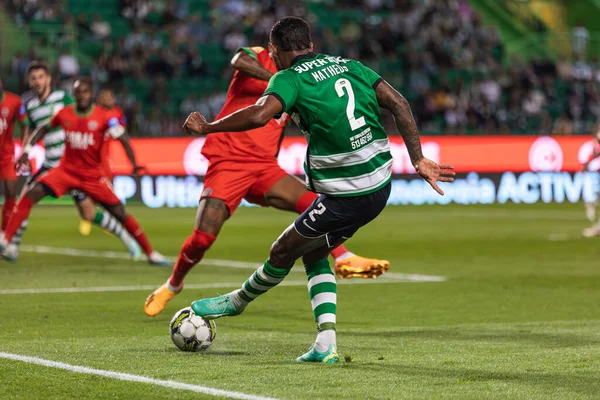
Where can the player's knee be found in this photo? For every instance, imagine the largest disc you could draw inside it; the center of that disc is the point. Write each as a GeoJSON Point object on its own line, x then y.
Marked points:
{"type": "Point", "coordinates": [87, 213]}
{"type": "Point", "coordinates": [37, 192]}
{"type": "Point", "coordinates": [118, 212]}
{"type": "Point", "coordinates": [279, 255]}
{"type": "Point", "coordinates": [199, 241]}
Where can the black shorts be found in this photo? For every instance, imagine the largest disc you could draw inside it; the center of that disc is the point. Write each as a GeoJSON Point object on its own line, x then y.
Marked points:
{"type": "Point", "coordinates": [339, 218]}
{"type": "Point", "coordinates": [77, 194]}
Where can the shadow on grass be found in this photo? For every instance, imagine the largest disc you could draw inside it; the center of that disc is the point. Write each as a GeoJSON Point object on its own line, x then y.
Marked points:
{"type": "Point", "coordinates": [537, 338]}
{"type": "Point", "coordinates": [585, 383]}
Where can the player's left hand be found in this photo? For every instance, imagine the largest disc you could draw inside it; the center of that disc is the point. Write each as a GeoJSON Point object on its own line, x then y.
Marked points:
{"type": "Point", "coordinates": [139, 170]}
{"type": "Point", "coordinates": [196, 124]}
{"type": "Point", "coordinates": [22, 165]}
{"type": "Point", "coordinates": [432, 172]}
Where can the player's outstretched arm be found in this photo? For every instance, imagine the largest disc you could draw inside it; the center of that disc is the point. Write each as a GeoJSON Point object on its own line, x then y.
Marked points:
{"type": "Point", "coordinates": [251, 117]}
{"type": "Point", "coordinates": [390, 99]}
{"type": "Point", "coordinates": [36, 136]}
{"type": "Point", "coordinates": [126, 143]}
{"type": "Point", "coordinates": [243, 62]}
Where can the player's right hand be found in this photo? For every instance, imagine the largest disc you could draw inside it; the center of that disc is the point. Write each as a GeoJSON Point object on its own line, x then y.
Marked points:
{"type": "Point", "coordinates": [195, 124]}
{"type": "Point", "coordinates": [22, 165]}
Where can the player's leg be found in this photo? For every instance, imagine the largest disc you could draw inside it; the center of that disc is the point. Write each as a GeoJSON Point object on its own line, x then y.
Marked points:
{"type": "Point", "coordinates": [13, 249]}
{"type": "Point", "coordinates": [210, 217]}
{"type": "Point", "coordinates": [10, 196]}
{"type": "Point", "coordinates": [286, 192]}
{"type": "Point", "coordinates": [90, 214]}
{"type": "Point", "coordinates": [285, 251]}
{"type": "Point", "coordinates": [101, 191]}
{"type": "Point", "coordinates": [324, 225]}
{"type": "Point", "coordinates": [21, 212]}
{"type": "Point", "coordinates": [225, 185]}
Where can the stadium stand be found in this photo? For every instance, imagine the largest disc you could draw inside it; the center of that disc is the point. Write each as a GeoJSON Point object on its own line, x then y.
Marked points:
{"type": "Point", "coordinates": [167, 57]}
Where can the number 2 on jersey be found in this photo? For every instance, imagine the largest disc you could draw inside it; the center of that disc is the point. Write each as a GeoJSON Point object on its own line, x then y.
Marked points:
{"type": "Point", "coordinates": [355, 123]}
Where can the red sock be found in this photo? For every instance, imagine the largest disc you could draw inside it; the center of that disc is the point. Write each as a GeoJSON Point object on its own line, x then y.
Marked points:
{"type": "Point", "coordinates": [20, 214]}
{"type": "Point", "coordinates": [7, 209]}
{"type": "Point", "coordinates": [305, 201]}
{"type": "Point", "coordinates": [137, 232]}
{"type": "Point", "coordinates": [338, 251]}
{"type": "Point", "coordinates": [191, 253]}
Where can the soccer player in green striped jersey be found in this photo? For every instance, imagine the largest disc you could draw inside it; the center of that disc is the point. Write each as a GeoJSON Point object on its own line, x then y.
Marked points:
{"type": "Point", "coordinates": [47, 103]}
{"type": "Point", "coordinates": [336, 102]}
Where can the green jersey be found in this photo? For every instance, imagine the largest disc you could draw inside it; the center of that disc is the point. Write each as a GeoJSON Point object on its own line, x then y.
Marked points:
{"type": "Point", "coordinates": [39, 114]}
{"type": "Point", "coordinates": [333, 101]}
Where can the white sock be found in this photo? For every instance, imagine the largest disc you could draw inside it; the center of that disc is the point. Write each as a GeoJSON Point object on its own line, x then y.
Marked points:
{"type": "Point", "coordinates": [173, 288]}
{"type": "Point", "coordinates": [237, 300]}
{"type": "Point", "coordinates": [324, 340]}
{"type": "Point", "coordinates": [347, 254]}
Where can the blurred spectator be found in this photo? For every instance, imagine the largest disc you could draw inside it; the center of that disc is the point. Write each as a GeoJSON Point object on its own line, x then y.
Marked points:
{"type": "Point", "coordinates": [19, 65]}
{"type": "Point", "coordinates": [580, 38]}
{"type": "Point", "coordinates": [67, 64]}
{"type": "Point", "coordinates": [234, 40]}
{"type": "Point", "coordinates": [563, 126]}
{"type": "Point", "coordinates": [101, 29]}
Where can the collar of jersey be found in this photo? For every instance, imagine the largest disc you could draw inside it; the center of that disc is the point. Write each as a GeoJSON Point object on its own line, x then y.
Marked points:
{"type": "Point", "coordinates": [310, 54]}
{"type": "Point", "coordinates": [87, 114]}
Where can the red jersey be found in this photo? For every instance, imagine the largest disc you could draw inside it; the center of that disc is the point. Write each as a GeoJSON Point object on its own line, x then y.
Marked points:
{"type": "Point", "coordinates": [258, 143]}
{"type": "Point", "coordinates": [105, 156]}
{"type": "Point", "coordinates": [85, 137]}
{"type": "Point", "coordinates": [11, 111]}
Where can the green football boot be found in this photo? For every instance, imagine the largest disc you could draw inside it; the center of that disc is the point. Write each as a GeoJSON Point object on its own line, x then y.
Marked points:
{"type": "Point", "coordinates": [215, 307]}
{"type": "Point", "coordinates": [327, 357]}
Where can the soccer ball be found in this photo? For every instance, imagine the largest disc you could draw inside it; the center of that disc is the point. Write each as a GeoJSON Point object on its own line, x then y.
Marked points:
{"type": "Point", "coordinates": [191, 332]}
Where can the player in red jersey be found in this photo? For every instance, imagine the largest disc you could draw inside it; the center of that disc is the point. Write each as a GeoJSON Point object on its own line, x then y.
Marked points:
{"type": "Point", "coordinates": [86, 128]}
{"type": "Point", "coordinates": [106, 99]}
{"type": "Point", "coordinates": [243, 165]}
{"type": "Point", "coordinates": [11, 112]}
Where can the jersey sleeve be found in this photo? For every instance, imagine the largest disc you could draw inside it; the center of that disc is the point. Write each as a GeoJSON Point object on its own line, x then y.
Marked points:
{"type": "Point", "coordinates": [283, 87]}
{"type": "Point", "coordinates": [68, 99]}
{"type": "Point", "coordinates": [252, 51]}
{"type": "Point", "coordinates": [115, 129]}
{"type": "Point", "coordinates": [21, 115]}
{"type": "Point", "coordinates": [373, 77]}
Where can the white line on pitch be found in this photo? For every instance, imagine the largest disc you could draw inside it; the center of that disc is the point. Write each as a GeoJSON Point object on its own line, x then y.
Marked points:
{"type": "Point", "coordinates": [124, 256]}
{"type": "Point", "coordinates": [387, 278]}
{"type": "Point", "coordinates": [133, 378]}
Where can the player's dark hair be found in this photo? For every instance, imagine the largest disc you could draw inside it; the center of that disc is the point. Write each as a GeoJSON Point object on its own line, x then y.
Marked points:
{"type": "Point", "coordinates": [291, 34]}
{"type": "Point", "coordinates": [38, 64]}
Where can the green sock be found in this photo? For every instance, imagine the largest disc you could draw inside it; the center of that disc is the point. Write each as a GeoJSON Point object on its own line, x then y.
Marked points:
{"type": "Point", "coordinates": [264, 278]}
{"type": "Point", "coordinates": [322, 290]}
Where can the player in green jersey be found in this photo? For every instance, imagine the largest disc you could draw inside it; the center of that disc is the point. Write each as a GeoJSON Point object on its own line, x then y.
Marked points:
{"type": "Point", "coordinates": [46, 103]}
{"type": "Point", "coordinates": [336, 102]}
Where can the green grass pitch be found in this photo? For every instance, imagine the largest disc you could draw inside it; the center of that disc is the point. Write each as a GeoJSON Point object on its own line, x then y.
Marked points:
{"type": "Point", "coordinates": [518, 316]}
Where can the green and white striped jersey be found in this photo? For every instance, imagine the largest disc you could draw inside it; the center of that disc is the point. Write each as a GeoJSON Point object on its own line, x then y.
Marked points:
{"type": "Point", "coordinates": [38, 114]}
{"type": "Point", "coordinates": [333, 101]}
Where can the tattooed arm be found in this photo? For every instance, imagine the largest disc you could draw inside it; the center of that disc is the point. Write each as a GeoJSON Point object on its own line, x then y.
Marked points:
{"type": "Point", "coordinates": [391, 100]}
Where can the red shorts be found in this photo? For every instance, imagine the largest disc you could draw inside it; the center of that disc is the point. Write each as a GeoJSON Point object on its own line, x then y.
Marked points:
{"type": "Point", "coordinates": [7, 170]}
{"type": "Point", "coordinates": [61, 181]}
{"type": "Point", "coordinates": [232, 181]}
